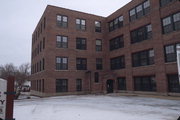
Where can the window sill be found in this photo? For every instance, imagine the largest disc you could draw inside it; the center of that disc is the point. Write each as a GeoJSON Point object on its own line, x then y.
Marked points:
{"type": "Point", "coordinates": [167, 63]}
{"type": "Point", "coordinates": [61, 70]}
{"type": "Point", "coordinates": [166, 34]}
{"type": "Point", "coordinates": [145, 66]}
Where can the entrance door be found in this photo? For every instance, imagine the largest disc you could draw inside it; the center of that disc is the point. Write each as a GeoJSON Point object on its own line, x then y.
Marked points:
{"type": "Point", "coordinates": [109, 86]}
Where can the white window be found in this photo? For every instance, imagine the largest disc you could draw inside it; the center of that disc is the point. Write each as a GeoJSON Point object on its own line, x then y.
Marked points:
{"type": "Point", "coordinates": [151, 53]}
{"type": "Point", "coordinates": [58, 17]}
{"type": "Point", "coordinates": [132, 12]}
{"type": "Point", "coordinates": [166, 21]}
{"type": "Point", "coordinates": [139, 8]}
{"type": "Point", "coordinates": [176, 17]}
{"type": "Point", "coordinates": [170, 49]}
{"type": "Point", "coordinates": [147, 4]}
{"type": "Point", "coordinates": [64, 19]}
{"type": "Point", "coordinates": [78, 21]}
{"type": "Point", "coordinates": [149, 28]}
{"type": "Point", "coordinates": [121, 18]}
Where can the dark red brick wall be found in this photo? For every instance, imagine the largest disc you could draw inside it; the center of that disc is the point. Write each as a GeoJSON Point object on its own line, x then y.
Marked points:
{"type": "Point", "coordinates": [160, 69]}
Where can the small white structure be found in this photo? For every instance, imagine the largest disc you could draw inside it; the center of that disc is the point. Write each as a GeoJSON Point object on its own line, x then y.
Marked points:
{"type": "Point", "coordinates": [3, 88]}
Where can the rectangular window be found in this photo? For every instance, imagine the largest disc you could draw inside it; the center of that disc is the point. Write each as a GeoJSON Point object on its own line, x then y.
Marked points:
{"type": "Point", "coordinates": [61, 85]}
{"type": "Point", "coordinates": [43, 64]}
{"type": "Point", "coordinates": [176, 20]}
{"type": "Point", "coordinates": [165, 2]}
{"type": "Point", "coordinates": [141, 34]}
{"type": "Point", "coordinates": [146, 7]}
{"type": "Point", "coordinates": [81, 43]}
{"type": "Point", "coordinates": [98, 45]}
{"type": "Point", "coordinates": [81, 64]}
{"type": "Point", "coordinates": [61, 41]}
{"type": "Point", "coordinates": [44, 23]}
{"type": "Point", "coordinates": [43, 42]}
{"type": "Point", "coordinates": [96, 77]}
{"type": "Point", "coordinates": [143, 58]}
{"type": "Point", "coordinates": [80, 24]}
{"type": "Point", "coordinates": [145, 83]}
{"type": "Point", "coordinates": [117, 63]}
{"type": "Point", "coordinates": [97, 26]}
{"type": "Point", "coordinates": [99, 64]}
{"type": "Point", "coordinates": [121, 83]}
{"type": "Point", "coordinates": [78, 84]}
{"type": "Point", "coordinates": [173, 83]}
{"type": "Point", "coordinates": [62, 21]}
{"type": "Point", "coordinates": [170, 53]}
{"type": "Point", "coordinates": [116, 43]}
{"type": "Point", "coordinates": [171, 23]}
{"type": "Point", "coordinates": [40, 46]}
{"type": "Point", "coordinates": [116, 23]}
{"type": "Point", "coordinates": [140, 10]}
{"type": "Point", "coordinates": [61, 63]}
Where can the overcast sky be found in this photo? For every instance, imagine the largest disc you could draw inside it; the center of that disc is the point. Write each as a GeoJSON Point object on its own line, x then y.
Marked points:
{"type": "Point", "coordinates": [18, 19]}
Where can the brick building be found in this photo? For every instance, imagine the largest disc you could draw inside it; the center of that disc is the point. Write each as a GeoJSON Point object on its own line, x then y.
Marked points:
{"type": "Point", "coordinates": [132, 50]}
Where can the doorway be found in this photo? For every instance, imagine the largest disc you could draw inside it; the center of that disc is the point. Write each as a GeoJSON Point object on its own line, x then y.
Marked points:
{"type": "Point", "coordinates": [109, 86]}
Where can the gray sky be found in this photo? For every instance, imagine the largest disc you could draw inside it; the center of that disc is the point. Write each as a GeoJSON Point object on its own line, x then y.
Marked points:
{"type": "Point", "coordinates": [18, 19]}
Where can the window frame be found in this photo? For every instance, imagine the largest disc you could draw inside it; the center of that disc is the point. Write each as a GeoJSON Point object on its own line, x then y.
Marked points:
{"type": "Point", "coordinates": [174, 54]}
{"type": "Point", "coordinates": [113, 25]}
{"type": "Point", "coordinates": [145, 11]}
{"type": "Point", "coordinates": [143, 81]}
{"type": "Point", "coordinates": [99, 47]}
{"type": "Point", "coordinates": [121, 83]}
{"type": "Point", "coordinates": [80, 44]}
{"type": "Point", "coordinates": [141, 34]}
{"type": "Point", "coordinates": [117, 63]}
{"type": "Point", "coordinates": [97, 28]}
{"type": "Point", "coordinates": [78, 85]}
{"type": "Point", "coordinates": [138, 60]}
{"type": "Point", "coordinates": [80, 26]}
{"type": "Point", "coordinates": [99, 63]}
{"type": "Point", "coordinates": [81, 63]}
{"type": "Point", "coordinates": [61, 65]}
{"type": "Point", "coordinates": [61, 43]}
{"type": "Point", "coordinates": [171, 25]}
{"type": "Point", "coordinates": [62, 87]}
{"type": "Point", "coordinates": [113, 43]}
{"type": "Point", "coordinates": [61, 23]}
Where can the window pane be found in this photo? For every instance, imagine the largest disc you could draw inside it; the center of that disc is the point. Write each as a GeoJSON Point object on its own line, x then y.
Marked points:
{"type": "Point", "coordinates": [58, 60]}
{"type": "Point", "coordinates": [176, 17]}
{"type": "Point", "coordinates": [64, 19]}
{"type": "Point", "coordinates": [147, 4]}
{"type": "Point", "coordinates": [58, 17]}
{"type": "Point", "coordinates": [170, 49]}
{"type": "Point", "coordinates": [151, 53]}
{"type": "Point", "coordinates": [77, 21]}
{"type": "Point", "coordinates": [97, 24]}
{"type": "Point", "coordinates": [64, 60]}
{"type": "Point", "coordinates": [149, 28]}
{"type": "Point", "coordinates": [98, 42]}
{"type": "Point", "coordinates": [64, 39]}
{"type": "Point", "coordinates": [132, 12]}
{"type": "Point", "coordinates": [83, 22]}
{"type": "Point", "coordinates": [59, 38]}
{"type": "Point", "coordinates": [139, 8]}
{"type": "Point", "coordinates": [121, 18]}
{"type": "Point", "coordinates": [166, 21]}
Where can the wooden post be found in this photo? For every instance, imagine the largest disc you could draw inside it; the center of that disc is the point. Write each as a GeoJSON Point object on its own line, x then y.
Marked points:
{"type": "Point", "coordinates": [10, 98]}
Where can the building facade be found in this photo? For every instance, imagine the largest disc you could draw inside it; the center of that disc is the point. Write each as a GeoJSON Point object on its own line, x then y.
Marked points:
{"type": "Point", "coordinates": [132, 50]}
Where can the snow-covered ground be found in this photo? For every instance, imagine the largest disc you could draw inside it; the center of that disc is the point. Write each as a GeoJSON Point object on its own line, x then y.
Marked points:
{"type": "Point", "coordinates": [92, 107]}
